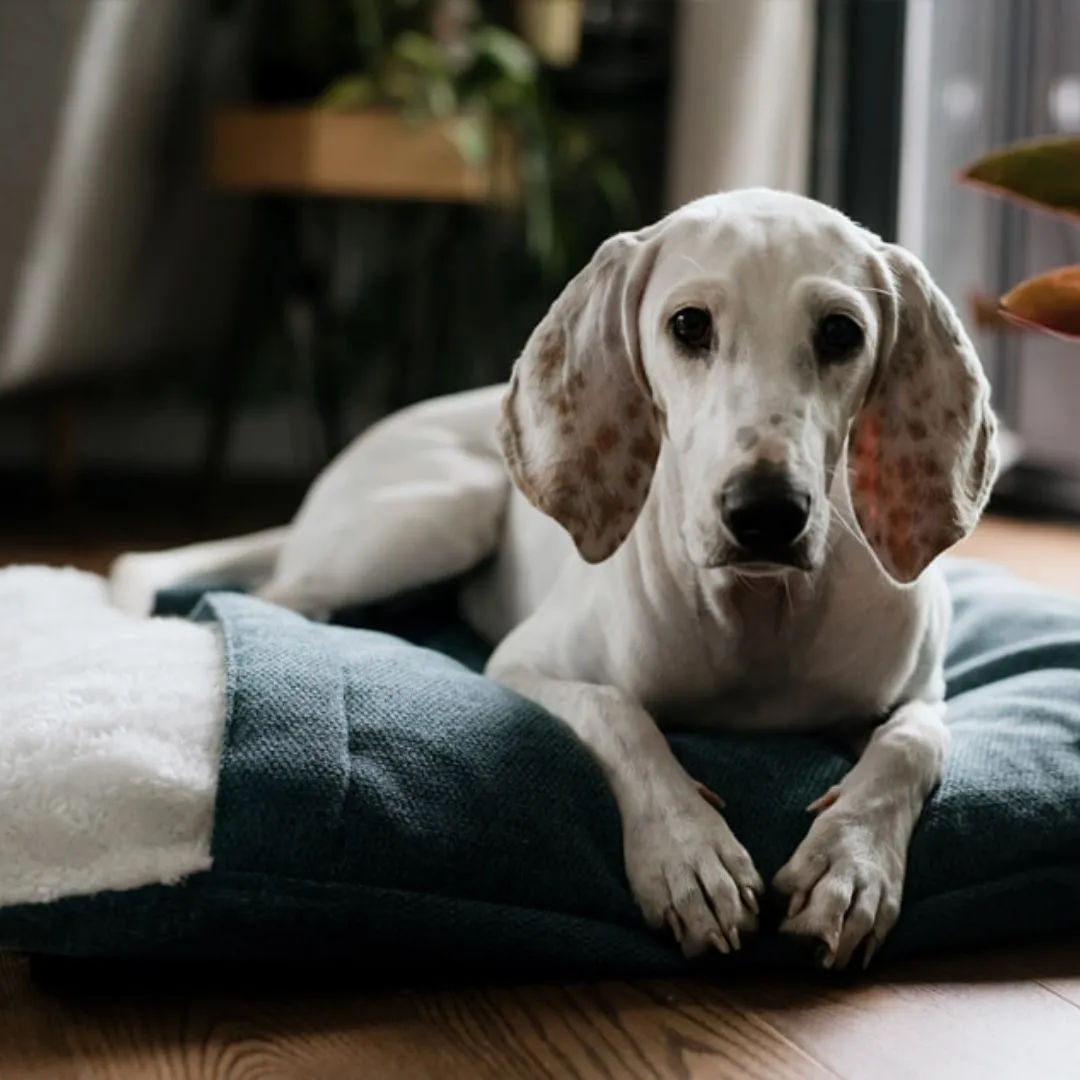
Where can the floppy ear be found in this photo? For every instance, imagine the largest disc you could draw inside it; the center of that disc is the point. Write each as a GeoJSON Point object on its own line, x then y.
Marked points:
{"type": "Point", "coordinates": [923, 450]}
{"type": "Point", "coordinates": [580, 432]}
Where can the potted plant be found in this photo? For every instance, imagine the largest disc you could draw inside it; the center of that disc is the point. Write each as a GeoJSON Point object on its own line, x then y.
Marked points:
{"type": "Point", "coordinates": [431, 101]}
{"type": "Point", "coordinates": [1045, 175]}
{"type": "Point", "coordinates": [433, 120]}
{"type": "Point", "coordinates": [417, 115]}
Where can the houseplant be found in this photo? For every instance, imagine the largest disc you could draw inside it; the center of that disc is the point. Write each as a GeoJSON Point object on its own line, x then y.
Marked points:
{"type": "Point", "coordinates": [434, 120]}
{"type": "Point", "coordinates": [1043, 174]}
{"type": "Point", "coordinates": [444, 62]}
{"type": "Point", "coordinates": [417, 99]}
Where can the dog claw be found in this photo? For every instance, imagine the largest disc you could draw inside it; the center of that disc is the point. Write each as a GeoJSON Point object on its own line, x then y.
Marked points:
{"type": "Point", "coordinates": [711, 797]}
{"type": "Point", "coordinates": [871, 948]}
{"type": "Point", "coordinates": [671, 917]}
{"type": "Point", "coordinates": [796, 904]}
{"type": "Point", "coordinates": [720, 943]}
{"type": "Point", "coordinates": [823, 802]}
{"type": "Point", "coordinates": [749, 898]}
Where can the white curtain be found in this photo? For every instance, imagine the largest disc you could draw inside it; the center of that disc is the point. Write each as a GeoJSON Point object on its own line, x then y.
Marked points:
{"type": "Point", "coordinates": [118, 254]}
{"type": "Point", "coordinates": [743, 101]}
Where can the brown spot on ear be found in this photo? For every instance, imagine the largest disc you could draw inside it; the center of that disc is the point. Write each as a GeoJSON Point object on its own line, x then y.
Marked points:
{"type": "Point", "coordinates": [906, 468]}
{"type": "Point", "coordinates": [937, 497]}
{"type": "Point", "coordinates": [951, 419]}
{"type": "Point", "coordinates": [590, 463]}
{"type": "Point", "coordinates": [566, 430]}
{"type": "Point", "coordinates": [562, 504]}
{"type": "Point", "coordinates": [577, 381]}
{"type": "Point", "coordinates": [929, 466]}
{"type": "Point", "coordinates": [609, 509]}
{"type": "Point", "coordinates": [564, 405]}
{"type": "Point", "coordinates": [633, 410]}
{"type": "Point", "coordinates": [607, 438]}
{"type": "Point", "coordinates": [644, 449]}
{"type": "Point", "coordinates": [609, 548]}
{"type": "Point", "coordinates": [613, 338]}
{"type": "Point", "coordinates": [776, 419]}
{"type": "Point", "coordinates": [918, 430]}
{"type": "Point", "coordinates": [550, 357]}
{"type": "Point", "coordinates": [632, 476]}
{"type": "Point", "coordinates": [943, 540]}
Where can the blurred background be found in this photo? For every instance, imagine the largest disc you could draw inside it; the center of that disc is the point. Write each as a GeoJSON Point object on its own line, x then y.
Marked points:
{"type": "Point", "coordinates": [235, 232]}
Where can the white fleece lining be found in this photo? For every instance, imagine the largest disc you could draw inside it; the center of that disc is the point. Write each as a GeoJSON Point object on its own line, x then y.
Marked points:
{"type": "Point", "coordinates": [110, 740]}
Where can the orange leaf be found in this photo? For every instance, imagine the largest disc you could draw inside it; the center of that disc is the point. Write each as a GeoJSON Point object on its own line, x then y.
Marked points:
{"type": "Point", "coordinates": [1042, 173]}
{"type": "Point", "coordinates": [1049, 302]}
{"type": "Point", "coordinates": [986, 315]}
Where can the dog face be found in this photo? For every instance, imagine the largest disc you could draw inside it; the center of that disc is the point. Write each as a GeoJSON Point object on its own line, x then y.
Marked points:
{"type": "Point", "coordinates": [766, 342]}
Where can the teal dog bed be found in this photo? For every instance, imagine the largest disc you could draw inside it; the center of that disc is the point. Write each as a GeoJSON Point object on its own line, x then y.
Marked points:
{"type": "Point", "coordinates": [382, 803]}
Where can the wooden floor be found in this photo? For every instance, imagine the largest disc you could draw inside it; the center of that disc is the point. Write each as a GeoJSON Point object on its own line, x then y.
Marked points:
{"type": "Point", "coordinates": [1012, 1014]}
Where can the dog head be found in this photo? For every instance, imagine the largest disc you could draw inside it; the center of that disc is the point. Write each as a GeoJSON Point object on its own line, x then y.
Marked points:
{"type": "Point", "coordinates": [765, 342]}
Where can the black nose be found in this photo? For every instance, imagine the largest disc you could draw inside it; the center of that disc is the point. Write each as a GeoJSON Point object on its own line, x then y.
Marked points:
{"type": "Point", "coordinates": [763, 510]}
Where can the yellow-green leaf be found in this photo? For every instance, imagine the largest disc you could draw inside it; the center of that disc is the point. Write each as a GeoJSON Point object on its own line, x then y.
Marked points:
{"type": "Point", "coordinates": [1043, 173]}
{"type": "Point", "coordinates": [349, 92]}
{"type": "Point", "coordinates": [1049, 302]}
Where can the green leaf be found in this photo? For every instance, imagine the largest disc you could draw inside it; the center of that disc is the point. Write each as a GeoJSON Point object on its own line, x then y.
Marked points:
{"type": "Point", "coordinates": [419, 50]}
{"type": "Point", "coordinates": [349, 92]}
{"type": "Point", "coordinates": [1049, 302]}
{"type": "Point", "coordinates": [472, 138]}
{"type": "Point", "coordinates": [1044, 173]}
{"type": "Point", "coordinates": [509, 52]}
{"type": "Point", "coordinates": [441, 97]}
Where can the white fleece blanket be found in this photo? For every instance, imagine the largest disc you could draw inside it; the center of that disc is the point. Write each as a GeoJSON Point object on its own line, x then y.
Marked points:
{"type": "Point", "coordinates": [110, 737]}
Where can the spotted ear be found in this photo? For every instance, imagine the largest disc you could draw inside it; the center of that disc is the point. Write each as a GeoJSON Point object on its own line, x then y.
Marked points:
{"type": "Point", "coordinates": [923, 451]}
{"type": "Point", "coordinates": [580, 432]}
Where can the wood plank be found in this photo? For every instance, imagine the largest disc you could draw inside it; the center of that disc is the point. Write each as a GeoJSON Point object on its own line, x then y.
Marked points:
{"type": "Point", "coordinates": [592, 1032]}
{"type": "Point", "coordinates": [979, 1017]}
{"type": "Point", "coordinates": [1045, 554]}
{"type": "Point", "coordinates": [985, 1016]}
{"type": "Point", "coordinates": [614, 1030]}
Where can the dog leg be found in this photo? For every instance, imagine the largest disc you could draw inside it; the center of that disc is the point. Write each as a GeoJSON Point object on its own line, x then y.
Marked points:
{"type": "Point", "coordinates": [846, 878]}
{"type": "Point", "coordinates": [684, 865]}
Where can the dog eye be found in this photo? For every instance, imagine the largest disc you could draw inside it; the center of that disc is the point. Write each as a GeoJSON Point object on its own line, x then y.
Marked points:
{"type": "Point", "coordinates": [692, 327]}
{"type": "Point", "coordinates": [837, 337]}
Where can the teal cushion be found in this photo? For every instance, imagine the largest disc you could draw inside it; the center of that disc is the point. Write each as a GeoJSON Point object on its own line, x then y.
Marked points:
{"type": "Point", "coordinates": [380, 800]}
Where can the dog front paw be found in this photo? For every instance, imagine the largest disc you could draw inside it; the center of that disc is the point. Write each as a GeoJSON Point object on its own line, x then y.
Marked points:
{"type": "Point", "coordinates": [688, 871]}
{"type": "Point", "coordinates": [845, 880]}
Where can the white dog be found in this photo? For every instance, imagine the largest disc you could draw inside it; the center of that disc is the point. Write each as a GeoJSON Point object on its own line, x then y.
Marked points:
{"type": "Point", "coordinates": [760, 425]}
